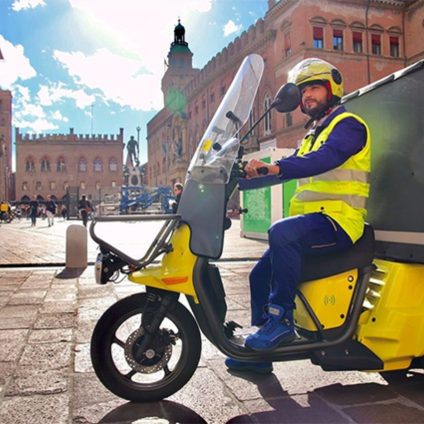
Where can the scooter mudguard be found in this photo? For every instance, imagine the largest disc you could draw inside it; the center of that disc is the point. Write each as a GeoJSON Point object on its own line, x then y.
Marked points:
{"type": "Point", "coordinates": [392, 325]}
{"type": "Point", "coordinates": [175, 272]}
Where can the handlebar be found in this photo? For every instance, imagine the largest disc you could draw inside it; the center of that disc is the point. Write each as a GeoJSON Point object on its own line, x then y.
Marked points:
{"type": "Point", "coordinates": [263, 170]}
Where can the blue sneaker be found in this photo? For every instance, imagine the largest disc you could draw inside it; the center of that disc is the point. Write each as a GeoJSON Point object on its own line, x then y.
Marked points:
{"type": "Point", "coordinates": [277, 330]}
{"type": "Point", "coordinates": [258, 367]}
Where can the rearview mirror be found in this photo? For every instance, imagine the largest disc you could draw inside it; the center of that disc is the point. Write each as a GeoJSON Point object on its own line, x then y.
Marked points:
{"type": "Point", "coordinates": [287, 98]}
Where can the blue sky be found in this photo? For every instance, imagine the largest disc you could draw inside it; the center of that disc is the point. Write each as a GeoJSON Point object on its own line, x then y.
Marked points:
{"type": "Point", "coordinates": [96, 65]}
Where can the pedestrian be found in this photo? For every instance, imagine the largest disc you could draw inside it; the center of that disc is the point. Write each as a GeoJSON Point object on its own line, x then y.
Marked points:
{"type": "Point", "coordinates": [4, 211]}
{"type": "Point", "coordinates": [50, 210]}
{"type": "Point", "coordinates": [33, 210]}
{"type": "Point", "coordinates": [327, 211]}
{"type": "Point", "coordinates": [84, 207]}
{"type": "Point", "coordinates": [63, 212]}
{"type": "Point", "coordinates": [178, 191]}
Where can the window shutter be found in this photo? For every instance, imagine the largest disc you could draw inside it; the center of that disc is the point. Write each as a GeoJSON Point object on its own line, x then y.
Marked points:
{"type": "Point", "coordinates": [318, 33]}
{"type": "Point", "coordinates": [394, 41]}
{"type": "Point", "coordinates": [357, 37]}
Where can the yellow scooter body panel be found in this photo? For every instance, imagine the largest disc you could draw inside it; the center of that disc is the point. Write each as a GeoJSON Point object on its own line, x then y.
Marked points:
{"type": "Point", "coordinates": [393, 324]}
{"type": "Point", "coordinates": [329, 298]}
{"type": "Point", "coordinates": [175, 273]}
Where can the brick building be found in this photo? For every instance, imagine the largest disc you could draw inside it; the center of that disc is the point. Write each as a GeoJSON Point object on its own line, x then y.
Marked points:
{"type": "Point", "coordinates": [55, 163]}
{"type": "Point", "coordinates": [365, 39]}
{"type": "Point", "coordinates": [6, 186]}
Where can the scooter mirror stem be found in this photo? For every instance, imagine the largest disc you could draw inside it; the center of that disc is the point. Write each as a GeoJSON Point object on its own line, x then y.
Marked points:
{"type": "Point", "coordinates": [255, 125]}
{"type": "Point", "coordinates": [287, 99]}
{"type": "Point", "coordinates": [240, 152]}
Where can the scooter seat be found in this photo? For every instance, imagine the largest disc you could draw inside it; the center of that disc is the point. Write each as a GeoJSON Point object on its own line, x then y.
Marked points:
{"type": "Point", "coordinates": [360, 255]}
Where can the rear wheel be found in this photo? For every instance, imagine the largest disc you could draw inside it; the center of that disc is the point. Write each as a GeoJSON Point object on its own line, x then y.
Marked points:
{"type": "Point", "coordinates": [162, 369]}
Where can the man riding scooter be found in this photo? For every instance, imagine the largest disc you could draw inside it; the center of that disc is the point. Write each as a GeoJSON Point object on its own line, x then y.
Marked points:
{"type": "Point", "coordinates": [327, 211]}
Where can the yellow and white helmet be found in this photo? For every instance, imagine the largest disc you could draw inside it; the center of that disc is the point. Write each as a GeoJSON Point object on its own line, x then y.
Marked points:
{"type": "Point", "coordinates": [314, 70]}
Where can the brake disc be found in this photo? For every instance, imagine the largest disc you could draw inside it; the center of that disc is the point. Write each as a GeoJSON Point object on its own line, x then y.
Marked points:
{"type": "Point", "coordinates": [152, 360]}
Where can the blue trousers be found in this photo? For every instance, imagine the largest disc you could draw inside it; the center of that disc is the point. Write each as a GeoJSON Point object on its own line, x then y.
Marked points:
{"type": "Point", "coordinates": [274, 278]}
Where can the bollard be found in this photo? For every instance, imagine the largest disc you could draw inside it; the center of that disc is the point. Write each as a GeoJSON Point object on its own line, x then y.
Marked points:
{"type": "Point", "coordinates": [76, 252]}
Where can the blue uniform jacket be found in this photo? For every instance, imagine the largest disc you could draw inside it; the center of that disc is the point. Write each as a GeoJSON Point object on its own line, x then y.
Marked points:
{"type": "Point", "coordinates": [347, 138]}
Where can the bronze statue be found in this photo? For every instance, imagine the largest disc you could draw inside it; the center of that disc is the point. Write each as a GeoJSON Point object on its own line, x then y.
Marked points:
{"type": "Point", "coordinates": [132, 149]}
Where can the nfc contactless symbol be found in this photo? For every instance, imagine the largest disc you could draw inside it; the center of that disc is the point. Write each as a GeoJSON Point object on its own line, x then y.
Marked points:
{"type": "Point", "coordinates": [336, 75]}
{"type": "Point", "coordinates": [329, 300]}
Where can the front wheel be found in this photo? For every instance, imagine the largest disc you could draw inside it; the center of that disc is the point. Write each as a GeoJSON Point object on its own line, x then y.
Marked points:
{"type": "Point", "coordinates": [162, 369]}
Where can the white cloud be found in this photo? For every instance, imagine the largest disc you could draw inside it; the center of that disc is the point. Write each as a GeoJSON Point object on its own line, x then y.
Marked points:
{"type": "Point", "coordinates": [57, 116]}
{"type": "Point", "coordinates": [30, 115]}
{"type": "Point", "coordinates": [144, 31]}
{"type": "Point", "coordinates": [137, 39]}
{"type": "Point", "coordinates": [22, 93]}
{"type": "Point", "coordinates": [230, 28]}
{"type": "Point", "coordinates": [19, 5]}
{"type": "Point", "coordinates": [48, 95]}
{"type": "Point", "coordinates": [15, 66]}
{"type": "Point", "coordinates": [38, 126]}
{"type": "Point", "coordinates": [120, 79]}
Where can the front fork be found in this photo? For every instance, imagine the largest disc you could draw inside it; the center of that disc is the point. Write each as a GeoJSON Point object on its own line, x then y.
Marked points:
{"type": "Point", "coordinates": [159, 302]}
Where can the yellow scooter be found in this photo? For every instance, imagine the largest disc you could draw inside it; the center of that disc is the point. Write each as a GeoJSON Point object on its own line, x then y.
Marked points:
{"type": "Point", "coordinates": [354, 312]}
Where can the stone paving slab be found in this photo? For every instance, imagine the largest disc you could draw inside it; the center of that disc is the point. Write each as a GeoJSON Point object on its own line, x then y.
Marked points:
{"type": "Point", "coordinates": [46, 374]}
{"type": "Point", "coordinates": [43, 245]}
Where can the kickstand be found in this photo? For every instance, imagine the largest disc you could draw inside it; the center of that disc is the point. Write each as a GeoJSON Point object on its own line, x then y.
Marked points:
{"type": "Point", "coordinates": [230, 327]}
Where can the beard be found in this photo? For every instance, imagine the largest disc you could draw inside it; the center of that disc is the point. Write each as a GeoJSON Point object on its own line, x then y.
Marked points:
{"type": "Point", "coordinates": [316, 111]}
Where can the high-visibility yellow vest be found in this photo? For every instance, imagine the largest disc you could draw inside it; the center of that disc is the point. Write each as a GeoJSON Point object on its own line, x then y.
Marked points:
{"type": "Point", "coordinates": [340, 193]}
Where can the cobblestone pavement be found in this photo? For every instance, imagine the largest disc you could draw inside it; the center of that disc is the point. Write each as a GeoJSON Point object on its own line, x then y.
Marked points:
{"type": "Point", "coordinates": [22, 244]}
{"type": "Point", "coordinates": [46, 374]}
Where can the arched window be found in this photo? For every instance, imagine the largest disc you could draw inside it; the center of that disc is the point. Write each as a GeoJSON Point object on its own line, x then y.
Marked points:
{"type": "Point", "coordinates": [98, 186]}
{"type": "Point", "coordinates": [376, 44]}
{"type": "Point", "coordinates": [29, 165]}
{"type": "Point", "coordinates": [82, 185]}
{"type": "Point", "coordinates": [267, 120]}
{"type": "Point", "coordinates": [98, 165]}
{"type": "Point", "coordinates": [52, 185]}
{"type": "Point", "coordinates": [82, 165]}
{"type": "Point", "coordinates": [357, 41]}
{"type": "Point", "coordinates": [113, 165]}
{"type": "Point", "coordinates": [38, 186]}
{"type": "Point", "coordinates": [318, 23]}
{"type": "Point", "coordinates": [252, 116]}
{"type": "Point", "coordinates": [25, 186]}
{"type": "Point", "coordinates": [338, 34]}
{"type": "Point", "coordinates": [394, 41]}
{"type": "Point", "coordinates": [65, 185]}
{"type": "Point", "coordinates": [252, 119]}
{"type": "Point", "coordinates": [60, 164]}
{"type": "Point", "coordinates": [376, 35]}
{"type": "Point", "coordinates": [45, 165]}
{"type": "Point", "coordinates": [287, 44]}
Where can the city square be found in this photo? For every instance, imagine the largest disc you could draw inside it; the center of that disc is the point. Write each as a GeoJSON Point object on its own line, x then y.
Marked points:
{"type": "Point", "coordinates": [211, 211]}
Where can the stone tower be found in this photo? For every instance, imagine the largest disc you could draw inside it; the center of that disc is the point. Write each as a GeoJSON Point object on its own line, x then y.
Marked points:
{"type": "Point", "coordinates": [180, 71]}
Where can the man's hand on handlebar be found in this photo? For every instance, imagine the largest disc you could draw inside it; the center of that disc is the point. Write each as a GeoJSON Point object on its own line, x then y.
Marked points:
{"type": "Point", "coordinates": [256, 168]}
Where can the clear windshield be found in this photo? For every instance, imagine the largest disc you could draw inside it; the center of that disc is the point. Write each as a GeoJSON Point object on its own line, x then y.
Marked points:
{"type": "Point", "coordinates": [217, 150]}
